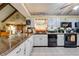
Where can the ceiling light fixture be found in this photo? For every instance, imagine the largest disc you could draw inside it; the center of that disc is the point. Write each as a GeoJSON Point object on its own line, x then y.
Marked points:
{"type": "Point", "coordinates": [76, 7]}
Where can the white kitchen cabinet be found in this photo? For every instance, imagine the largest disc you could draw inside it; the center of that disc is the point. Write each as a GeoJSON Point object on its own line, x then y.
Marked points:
{"type": "Point", "coordinates": [24, 49]}
{"type": "Point", "coordinates": [29, 46]}
{"type": "Point", "coordinates": [77, 39]}
{"type": "Point", "coordinates": [18, 51]}
{"type": "Point", "coordinates": [60, 40]}
{"type": "Point", "coordinates": [40, 40]}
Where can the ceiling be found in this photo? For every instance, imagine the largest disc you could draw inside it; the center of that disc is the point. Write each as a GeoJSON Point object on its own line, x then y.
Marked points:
{"type": "Point", "coordinates": [52, 8]}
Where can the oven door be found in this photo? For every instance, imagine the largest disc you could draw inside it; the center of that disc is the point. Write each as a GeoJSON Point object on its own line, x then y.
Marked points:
{"type": "Point", "coordinates": [52, 40]}
{"type": "Point", "coordinates": [70, 40]}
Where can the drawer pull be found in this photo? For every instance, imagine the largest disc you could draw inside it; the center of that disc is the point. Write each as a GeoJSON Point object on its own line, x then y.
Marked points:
{"type": "Point", "coordinates": [40, 38]}
{"type": "Point", "coordinates": [18, 50]}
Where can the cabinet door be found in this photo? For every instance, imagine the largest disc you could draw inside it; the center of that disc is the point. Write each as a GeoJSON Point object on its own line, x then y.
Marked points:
{"type": "Point", "coordinates": [12, 53]}
{"type": "Point", "coordinates": [36, 40]}
{"type": "Point", "coordinates": [40, 40]}
{"type": "Point", "coordinates": [15, 52]}
{"type": "Point", "coordinates": [29, 46]}
{"type": "Point", "coordinates": [26, 47]}
{"type": "Point", "coordinates": [60, 40]}
{"type": "Point", "coordinates": [18, 51]}
{"type": "Point", "coordinates": [77, 40]}
{"type": "Point", "coordinates": [31, 42]}
{"type": "Point", "coordinates": [21, 51]}
{"type": "Point", "coordinates": [43, 40]}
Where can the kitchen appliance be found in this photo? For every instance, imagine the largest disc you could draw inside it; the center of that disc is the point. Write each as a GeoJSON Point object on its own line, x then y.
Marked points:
{"type": "Point", "coordinates": [66, 24]}
{"type": "Point", "coordinates": [52, 40]}
{"type": "Point", "coordinates": [61, 30]}
{"type": "Point", "coordinates": [52, 29]}
{"type": "Point", "coordinates": [28, 22]}
{"type": "Point", "coordinates": [70, 40]}
{"type": "Point", "coordinates": [68, 30]}
{"type": "Point", "coordinates": [29, 30]}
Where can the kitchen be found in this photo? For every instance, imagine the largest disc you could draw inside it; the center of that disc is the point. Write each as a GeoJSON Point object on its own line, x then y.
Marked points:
{"type": "Point", "coordinates": [25, 26]}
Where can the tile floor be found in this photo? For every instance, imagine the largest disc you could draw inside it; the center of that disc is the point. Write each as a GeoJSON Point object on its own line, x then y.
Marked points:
{"type": "Point", "coordinates": [55, 51]}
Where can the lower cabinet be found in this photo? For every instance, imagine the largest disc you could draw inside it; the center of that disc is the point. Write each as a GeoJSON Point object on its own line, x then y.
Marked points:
{"type": "Point", "coordinates": [77, 39]}
{"type": "Point", "coordinates": [40, 40]}
{"type": "Point", "coordinates": [18, 51]}
{"type": "Point", "coordinates": [60, 40]}
{"type": "Point", "coordinates": [28, 46]}
{"type": "Point", "coordinates": [24, 49]}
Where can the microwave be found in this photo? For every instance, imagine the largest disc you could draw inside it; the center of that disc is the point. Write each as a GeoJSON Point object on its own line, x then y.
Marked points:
{"type": "Point", "coordinates": [66, 24]}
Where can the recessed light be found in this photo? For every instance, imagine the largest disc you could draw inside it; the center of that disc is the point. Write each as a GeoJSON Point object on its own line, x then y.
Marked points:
{"type": "Point", "coordinates": [76, 7]}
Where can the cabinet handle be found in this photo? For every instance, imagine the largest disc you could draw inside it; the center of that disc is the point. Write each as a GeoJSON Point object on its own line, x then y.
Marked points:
{"type": "Point", "coordinates": [18, 50]}
{"type": "Point", "coordinates": [40, 38]}
{"type": "Point", "coordinates": [24, 51]}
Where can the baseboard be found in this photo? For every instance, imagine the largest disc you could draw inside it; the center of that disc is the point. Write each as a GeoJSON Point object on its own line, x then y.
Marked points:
{"type": "Point", "coordinates": [48, 46]}
{"type": "Point", "coordinates": [40, 46]}
{"type": "Point", "coordinates": [51, 46]}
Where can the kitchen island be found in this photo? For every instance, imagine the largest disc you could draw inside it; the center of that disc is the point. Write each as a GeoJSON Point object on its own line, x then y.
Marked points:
{"type": "Point", "coordinates": [6, 49]}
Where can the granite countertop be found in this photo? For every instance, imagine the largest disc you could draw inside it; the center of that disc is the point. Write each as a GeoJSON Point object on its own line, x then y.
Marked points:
{"type": "Point", "coordinates": [54, 33]}
{"type": "Point", "coordinates": [5, 48]}
{"type": "Point", "coordinates": [63, 33]}
{"type": "Point", "coordinates": [40, 33]}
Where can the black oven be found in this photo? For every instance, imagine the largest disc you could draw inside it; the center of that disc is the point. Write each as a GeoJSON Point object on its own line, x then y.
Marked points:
{"type": "Point", "coordinates": [70, 40]}
{"type": "Point", "coordinates": [52, 40]}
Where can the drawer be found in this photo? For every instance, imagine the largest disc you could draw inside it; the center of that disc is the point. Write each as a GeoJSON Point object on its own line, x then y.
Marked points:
{"type": "Point", "coordinates": [15, 52]}
{"type": "Point", "coordinates": [60, 40]}
{"type": "Point", "coordinates": [18, 51]}
{"type": "Point", "coordinates": [78, 40]}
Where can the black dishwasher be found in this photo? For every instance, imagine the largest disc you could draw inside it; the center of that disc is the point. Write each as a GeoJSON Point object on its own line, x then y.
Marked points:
{"type": "Point", "coordinates": [52, 40]}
